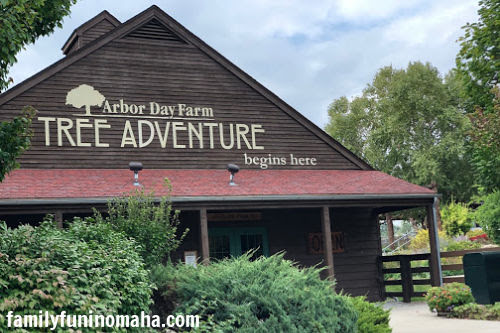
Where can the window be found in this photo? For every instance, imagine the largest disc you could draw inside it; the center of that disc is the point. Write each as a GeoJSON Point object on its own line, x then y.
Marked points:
{"type": "Point", "coordinates": [227, 242]}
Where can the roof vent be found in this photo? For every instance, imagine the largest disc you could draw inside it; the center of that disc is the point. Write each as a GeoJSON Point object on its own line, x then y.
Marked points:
{"type": "Point", "coordinates": [135, 167]}
{"type": "Point", "coordinates": [232, 168]}
{"type": "Point", "coordinates": [155, 30]}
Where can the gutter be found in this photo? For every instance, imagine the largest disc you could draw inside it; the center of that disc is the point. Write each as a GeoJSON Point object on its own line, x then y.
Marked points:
{"type": "Point", "coordinates": [241, 198]}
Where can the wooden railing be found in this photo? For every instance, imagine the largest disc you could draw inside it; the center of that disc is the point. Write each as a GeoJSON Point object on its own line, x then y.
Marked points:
{"type": "Point", "coordinates": [407, 282]}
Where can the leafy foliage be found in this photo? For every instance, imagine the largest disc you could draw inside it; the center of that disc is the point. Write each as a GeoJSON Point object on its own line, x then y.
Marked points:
{"type": "Point", "coordinates": [87, 267]}
{"type": "Point", "coordinates": [152, 224]}
{"type": "Point", "coordinates": [486, 143]}
{"type": "Point", "coordinates": [478, 61]}
{"type": "Point", "coordinates": [372, 317]}
{"type": "Point", "coordinates": [476, 311]}
{"type": "Point", "coordinates": [421, 240]}
{"type": "Point", "coordinates": [488, 216]}
{"type": "Point", "coordinates": [474, 233]}
{"type": "Point", "coordinates": [22, 22]}
{"type": "Point", "coordinates": [265, 295]}
{"type": "Point", "coordinates": [462, 245]}
{"type": "Point", "coordinates": [407, 124]}
{"type": "Point", "coordinates": [445, 298]}
{"type": "Point", "coordinates": [14, 140]}
{"type": "Point", "coordinates": [456, 219]}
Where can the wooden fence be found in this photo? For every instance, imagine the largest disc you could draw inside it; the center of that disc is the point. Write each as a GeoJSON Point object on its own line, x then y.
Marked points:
{"type": "Point", "coordinates": [407, 282]}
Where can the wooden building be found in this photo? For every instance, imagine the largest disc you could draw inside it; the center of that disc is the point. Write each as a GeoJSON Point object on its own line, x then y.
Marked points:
{"type": "Point", "coordinates": [150, 91]}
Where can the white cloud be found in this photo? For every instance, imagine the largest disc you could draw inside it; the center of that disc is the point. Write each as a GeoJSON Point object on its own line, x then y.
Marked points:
{"type": "Point", "coordinates": [307, 52]}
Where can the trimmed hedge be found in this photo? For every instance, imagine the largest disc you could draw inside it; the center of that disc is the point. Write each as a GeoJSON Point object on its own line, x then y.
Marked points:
{"type": "Point", "coordinates": [82, 268]}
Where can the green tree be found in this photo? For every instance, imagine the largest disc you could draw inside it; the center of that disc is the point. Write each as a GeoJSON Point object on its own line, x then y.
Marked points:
{"type": "Point", "coordinates": [488, 215]}
{"type": "Point", "coordinates": [14, 140]}
{"type": "Point", "coordinates": [22, 22]}
{"type": "Point", "coordinates": [478, 61]}
{"type": "Point", "coordinates": [407, 123]}
{"type": "Point", "coordinates": [485, 141]}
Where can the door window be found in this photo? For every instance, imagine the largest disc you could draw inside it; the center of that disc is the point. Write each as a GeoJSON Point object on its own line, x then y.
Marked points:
{"type": "Point", "coordinates": [227, 242]}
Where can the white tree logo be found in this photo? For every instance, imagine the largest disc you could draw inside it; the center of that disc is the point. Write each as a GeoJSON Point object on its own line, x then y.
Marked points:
{"type": "Point", "coordinates": [84, 95]}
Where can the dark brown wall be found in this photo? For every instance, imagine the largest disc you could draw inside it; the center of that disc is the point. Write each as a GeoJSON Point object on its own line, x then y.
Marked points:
{"type": "Point", "coordinates": [356, 270]}
{"type": "Point", "coordinates": [95, 32]}
{"type": "Point", "coordinates": [167, 72]}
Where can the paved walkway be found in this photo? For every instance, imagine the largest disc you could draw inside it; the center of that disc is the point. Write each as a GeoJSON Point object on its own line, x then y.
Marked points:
{"type": "Point", "coordinates": [416, 318]}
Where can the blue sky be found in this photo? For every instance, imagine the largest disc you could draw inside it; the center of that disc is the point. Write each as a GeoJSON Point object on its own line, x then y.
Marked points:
{"type": "Point", "coordinates": [307, 52]}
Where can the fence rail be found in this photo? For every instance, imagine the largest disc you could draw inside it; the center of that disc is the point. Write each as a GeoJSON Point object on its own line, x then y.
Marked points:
{"type": "Point", "coordinates": [407, 282]}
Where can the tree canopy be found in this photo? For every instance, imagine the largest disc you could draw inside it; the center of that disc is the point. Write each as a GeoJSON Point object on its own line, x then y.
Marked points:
{"type": "Point", "coordinates": [478, 61]}
{"type": "Point", "coordinates": [22, 22]}
{"type": "Point", "coordinates": [14, 140]}
{"type": "Point", "coordinates": [407, 123]}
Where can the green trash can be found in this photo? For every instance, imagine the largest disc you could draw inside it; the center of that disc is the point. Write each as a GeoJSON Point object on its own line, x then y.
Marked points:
{"type": "Point", "coordinates": [482, 275]}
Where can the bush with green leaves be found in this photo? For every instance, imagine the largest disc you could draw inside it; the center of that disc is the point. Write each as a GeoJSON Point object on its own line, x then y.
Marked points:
{"type": "Point", "coordinates": [488, 215]}
{"type": "Point", "coordinates": [151, 222]}
{"type": "Point", "coordinates": [86, 267]}
{"type": "Point", "coordinates": [462, 245]}
{"type": "Point", "coordinates": [476, 311]}
{"type": "Point", "coordinates": [265, 295]}
{"type": "Point", "coordinates": [449, 296]}
{"type": "Point", "coordinates": [421, 240]}
{"type": "Point", "coordinates": [372, 318]}
{"type": "Point", "coordinates": [456, 219]}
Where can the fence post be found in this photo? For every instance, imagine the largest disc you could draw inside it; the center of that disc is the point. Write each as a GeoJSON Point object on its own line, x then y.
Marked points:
{"type": "Point", "coordinates": [406, 278]}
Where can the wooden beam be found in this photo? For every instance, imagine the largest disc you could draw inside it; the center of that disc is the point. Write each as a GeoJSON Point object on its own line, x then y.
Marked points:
{"type": "Point", "coordinates": [58, 217]}
{"type": "Point", "coordinates": [435, 262]}
{"type": "Point", "coordinates": [205, 250]}
{"type": "Point", "coordinates": [327, 239]}
{"type": "Point", "coordinates": [390, 230]}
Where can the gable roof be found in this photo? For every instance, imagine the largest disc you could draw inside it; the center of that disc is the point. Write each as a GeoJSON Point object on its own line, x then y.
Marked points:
{"type": "Point", "coordinates": [155, 12]}
{"type": "Point", "coordinates": [78, 32]}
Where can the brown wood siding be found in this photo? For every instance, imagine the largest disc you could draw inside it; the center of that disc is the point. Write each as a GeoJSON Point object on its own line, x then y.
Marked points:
{"type": "Point", "coordinates": [167, 73]}
{"type": "Point", "coordinates": [95, 32]}
{"type": "Point", "coordinates": [356, 270]}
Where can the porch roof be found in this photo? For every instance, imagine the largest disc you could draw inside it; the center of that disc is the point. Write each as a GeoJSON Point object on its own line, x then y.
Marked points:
{"type": "Point", "coordinates": [88, 184]}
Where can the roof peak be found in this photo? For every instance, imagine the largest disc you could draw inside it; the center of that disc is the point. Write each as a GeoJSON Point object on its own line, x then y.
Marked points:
{"type": "Point", "coordinates": [77, 34]}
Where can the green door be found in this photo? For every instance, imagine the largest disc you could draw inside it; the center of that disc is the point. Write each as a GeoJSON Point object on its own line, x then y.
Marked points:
{"type": "Point", "coordinates": [233, 242]}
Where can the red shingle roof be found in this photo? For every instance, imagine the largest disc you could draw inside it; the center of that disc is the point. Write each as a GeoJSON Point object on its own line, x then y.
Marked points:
{"type": "Point", "coordinates": [102, 183]}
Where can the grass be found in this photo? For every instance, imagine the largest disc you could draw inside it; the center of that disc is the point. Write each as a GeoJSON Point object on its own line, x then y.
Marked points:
{"type": "Point", "coordinates": [399, 289]}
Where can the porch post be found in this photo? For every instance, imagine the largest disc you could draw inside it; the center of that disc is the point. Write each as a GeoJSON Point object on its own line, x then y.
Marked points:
{"type": "Point", "coordinates": [205, 251]}
{"type": "Point", "coordinates": [58, 217]}
{"type": "Point", "coordinates": [327, 239]}
{"type": "Point", "coordinates": [435, 262]}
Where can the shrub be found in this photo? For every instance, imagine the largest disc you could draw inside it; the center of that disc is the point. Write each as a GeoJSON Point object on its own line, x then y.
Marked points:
{"type": "Point", "coordinates": [476, 311]}
{"type": "Point", "coordinates": [456, 219]}
{"type": "Point", "coordinates": [372, 318]}
{"type": "Point", "coordinates": [152, 224]}
{"type": "Point", "coordinates": [445, 298]}
{"type": "Point", "coordinates": [421, 240]}
{"type": "Point", "coordinates": [265, 295]}
{"type": "Point", "coordinates": [475, 233]}
{"type": "Point", "coordinates": [462, 245]}
{"type": "Point", "coordinates": [488, 216]}
{"type": "Point", "coordinates": [85, 268]}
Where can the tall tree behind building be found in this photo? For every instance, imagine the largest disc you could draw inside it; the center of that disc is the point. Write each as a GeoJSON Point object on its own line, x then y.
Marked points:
{"type": "Point", "coordinates": [478, 67]}
{"type": "Point", "coordinates": [407, 123]}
